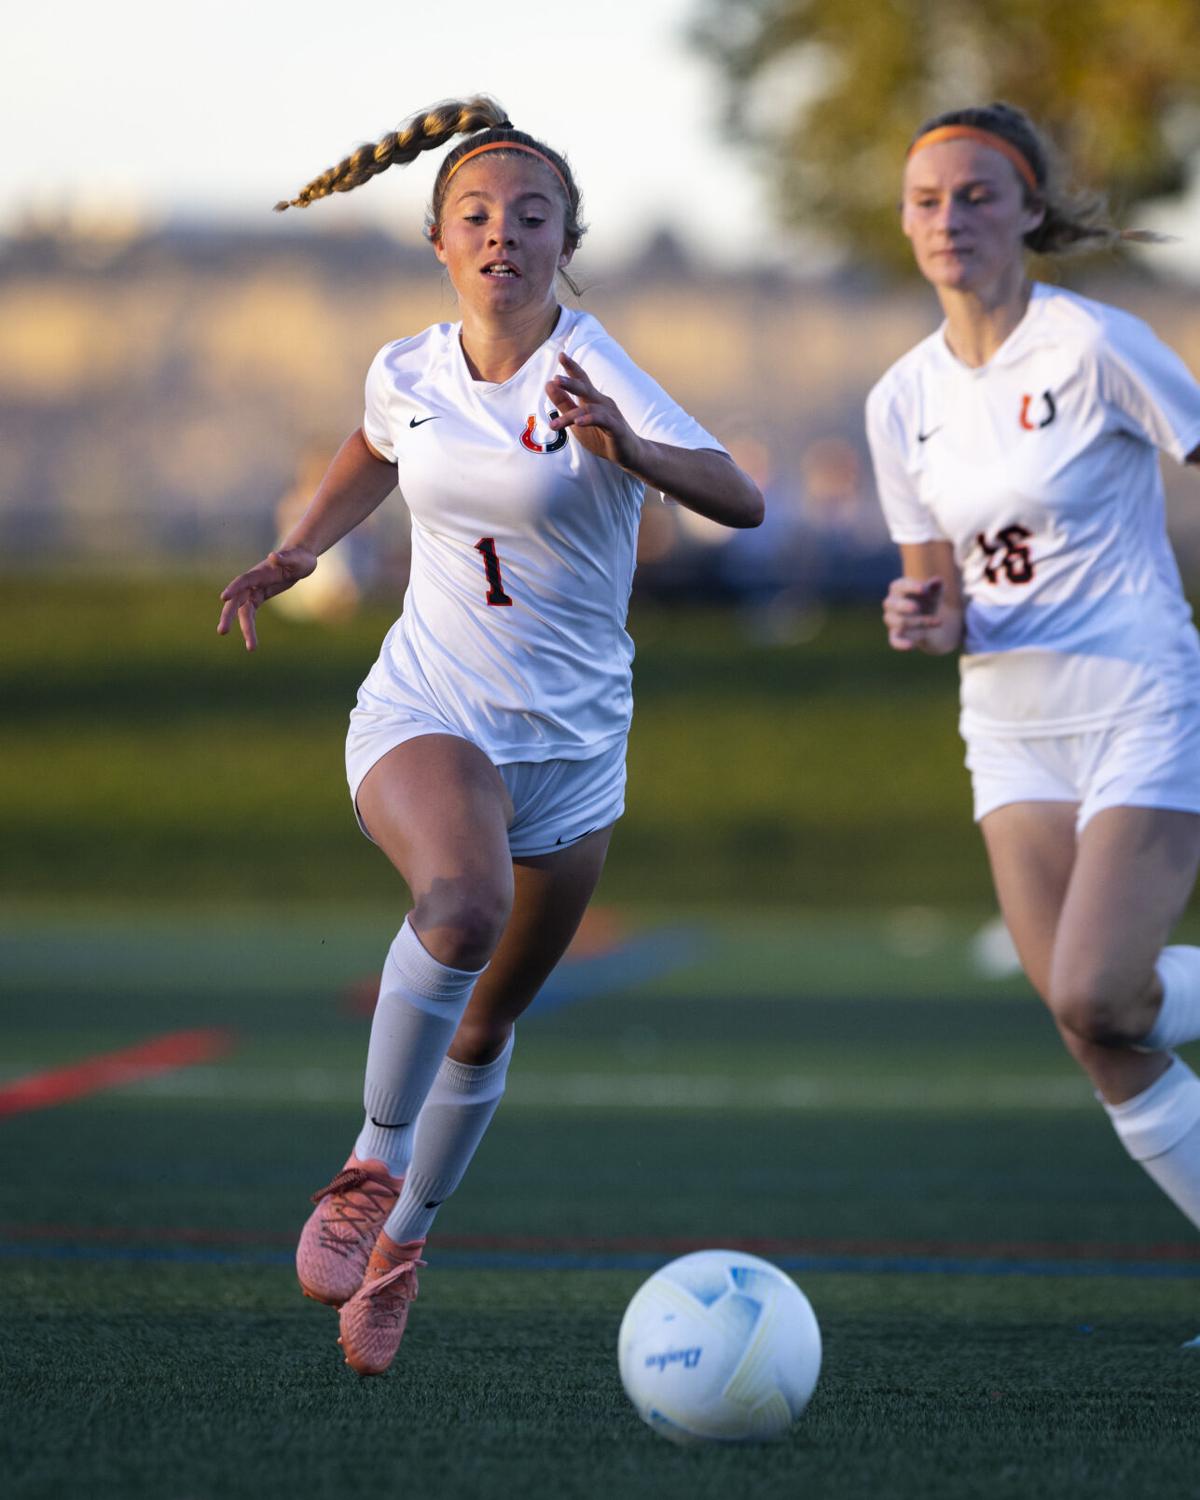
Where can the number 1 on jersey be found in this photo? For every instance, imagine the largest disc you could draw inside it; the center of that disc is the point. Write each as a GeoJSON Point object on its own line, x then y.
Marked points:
{"type": "Point", "coordinates": [486, 546]}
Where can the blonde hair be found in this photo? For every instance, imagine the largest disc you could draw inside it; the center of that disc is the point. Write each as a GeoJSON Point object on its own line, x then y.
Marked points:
{"type": "Point", "coordinates": [1076, 219]}
{"type": "Point", "coordinates": [485, 123]}
{"type": "Point", "coordinates": [426, 131]}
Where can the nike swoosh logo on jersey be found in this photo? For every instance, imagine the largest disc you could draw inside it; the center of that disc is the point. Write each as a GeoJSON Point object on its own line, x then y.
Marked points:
{"type": "Point", "coordinates": [413, 421]}
{"type": "Point", "coordinates": [923, 437]}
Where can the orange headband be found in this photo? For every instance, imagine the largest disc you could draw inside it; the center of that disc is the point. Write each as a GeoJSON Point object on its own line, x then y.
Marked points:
{"type": "Point", "coordinates": [973, 133]}
{"type": "Point", "coordinates": [509, 146]}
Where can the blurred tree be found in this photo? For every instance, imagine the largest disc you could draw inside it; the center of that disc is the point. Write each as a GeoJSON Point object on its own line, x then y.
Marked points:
{"type": "Point", "coordinates": [830, 92]}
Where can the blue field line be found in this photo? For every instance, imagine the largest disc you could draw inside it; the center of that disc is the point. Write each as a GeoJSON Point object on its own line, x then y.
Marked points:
{"type": "Point", "coordinates": [626, 1260]}
{"type": "Point", "coordinates": [648, 956]}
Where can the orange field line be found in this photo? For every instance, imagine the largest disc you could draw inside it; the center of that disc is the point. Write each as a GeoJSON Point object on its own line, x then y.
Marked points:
{"type": "Point", "coordinates": [110, 1070]}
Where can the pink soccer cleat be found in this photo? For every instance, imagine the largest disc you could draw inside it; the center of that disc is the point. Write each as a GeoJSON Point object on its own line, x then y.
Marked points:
{"type": "Point", "coordinates": [337, 1239]}
{"type": "Point", "coordinates": [372, 1322]}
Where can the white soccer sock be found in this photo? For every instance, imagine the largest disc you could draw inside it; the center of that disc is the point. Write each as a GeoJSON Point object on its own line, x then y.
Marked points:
{"type": "Point", "coordinates": [421, 1002]}
{"type": "Point", "coordinates": [1160, 1128]}
{"type": "Point", "coordinates": [455, 1117]}
{"type": "Point", "coordinates": [1178, 1020]}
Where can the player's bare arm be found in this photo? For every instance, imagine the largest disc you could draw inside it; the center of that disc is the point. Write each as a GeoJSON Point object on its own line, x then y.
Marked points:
{"type": "Point", "coordinates": [923, 609]}
{"type": "Point", "coordinates": [356, 482]}
{"type": "Point", "coordinates": [704, 479]}
{"type": "Point", "coordinates": [1089, 809]}
{"type": "Point", "coordinates": [500, 864]}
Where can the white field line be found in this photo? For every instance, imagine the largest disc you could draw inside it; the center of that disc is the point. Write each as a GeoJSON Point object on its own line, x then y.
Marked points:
{"type": "Point", "coordinates": [918, 1093]}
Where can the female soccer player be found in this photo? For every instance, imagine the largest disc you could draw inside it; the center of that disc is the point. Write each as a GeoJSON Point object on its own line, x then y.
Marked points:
{"type": "Point", "coordinates": [1016, 455]}
{"type": "Point", "coordinates": [486, 753]}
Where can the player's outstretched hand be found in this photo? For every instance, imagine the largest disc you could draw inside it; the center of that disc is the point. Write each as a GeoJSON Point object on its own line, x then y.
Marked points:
{"type": "Point", "coordinates": [912, 611]}
{"type": "Point", "coordinates": [595, 419]}
{"type": "Point", "coordinates": [277, 572]}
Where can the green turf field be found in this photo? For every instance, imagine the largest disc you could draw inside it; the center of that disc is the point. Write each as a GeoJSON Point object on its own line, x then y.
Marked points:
{"type": "Point", "coordinates": [781, 1037]}
{"type": "Point", "coordinates": [1001, 1293]}
{"type": "Point", "coordinates": [146, 758]}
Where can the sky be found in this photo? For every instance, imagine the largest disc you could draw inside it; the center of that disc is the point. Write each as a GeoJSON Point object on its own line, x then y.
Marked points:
{"type": "Point", "coordinates": [215, 110]}
{"type": "Point", "coordinates": [221, 108]}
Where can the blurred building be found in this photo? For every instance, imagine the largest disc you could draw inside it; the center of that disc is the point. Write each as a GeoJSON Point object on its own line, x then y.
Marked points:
{"type": "Point", "coordinates": [160, 386]}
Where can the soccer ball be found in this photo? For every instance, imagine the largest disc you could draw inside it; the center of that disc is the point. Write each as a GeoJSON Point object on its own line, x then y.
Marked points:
{"type": "Point", "coordinates": [719, 1347]}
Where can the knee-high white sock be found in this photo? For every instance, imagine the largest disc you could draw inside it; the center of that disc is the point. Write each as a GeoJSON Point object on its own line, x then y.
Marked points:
{"type": "Point", "coordinates": [1178, 1020]}
{"type": "Point", "coordinates": [455, 1116]}
{"type": "Point", "coordinates": [1160, 1128]}
{"type": "Point", "coordinates": [421, 1002]}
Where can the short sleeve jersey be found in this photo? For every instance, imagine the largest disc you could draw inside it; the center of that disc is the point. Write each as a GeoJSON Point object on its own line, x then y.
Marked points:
{"type": "Point", "coordinates": [523, 543]}
{"type": "Point", "coordinates": [1041, 469]}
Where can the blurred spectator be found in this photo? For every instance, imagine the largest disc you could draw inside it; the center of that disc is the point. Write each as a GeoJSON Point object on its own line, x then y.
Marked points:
{"type": "Point", "coordinates": [677, 555]}
{"type": "Point", "coordinates": [366, 559]}
{"type": "Point", "coordinates": [770, 570]}
{"type": "Point", "coordinates": [332, 592]}
{"type": "Point", "coordinates": [853, 557]}
{"type": "Point", "coordinates": [822, 542]}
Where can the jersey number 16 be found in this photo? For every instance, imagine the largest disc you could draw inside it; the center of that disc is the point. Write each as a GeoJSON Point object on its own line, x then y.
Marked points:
{"type": "Point", "coordinates": [1007, 554]}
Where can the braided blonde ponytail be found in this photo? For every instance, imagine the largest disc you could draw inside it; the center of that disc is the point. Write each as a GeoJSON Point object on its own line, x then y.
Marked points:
{"type": "Point", "coordinates": [424, 132]}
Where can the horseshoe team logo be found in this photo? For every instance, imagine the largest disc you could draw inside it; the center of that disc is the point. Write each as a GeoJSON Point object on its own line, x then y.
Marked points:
{"type": "Point", "coordinates": [558, 440]}
{"type": "Point", "coordinates": [1047, 414]}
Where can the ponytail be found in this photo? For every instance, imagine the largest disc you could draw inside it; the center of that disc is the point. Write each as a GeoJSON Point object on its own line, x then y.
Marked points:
{"type": "Point", "coordinates": [424, 132]}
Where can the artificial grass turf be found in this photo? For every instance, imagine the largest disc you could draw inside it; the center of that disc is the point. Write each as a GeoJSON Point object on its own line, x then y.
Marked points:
{"type": "Point", "coordinates": [142, 750]}
{"type": "Point", "coordinates": [887, 1182]}
{"type": "Point", "coordinates": [128, 1375]}
{"type": "Point", "coordinates": [149, 759]}
{"type": "Point", "coordinates": [678, 1106]}
{"type": "Point", "coordinates": [128, 1381]}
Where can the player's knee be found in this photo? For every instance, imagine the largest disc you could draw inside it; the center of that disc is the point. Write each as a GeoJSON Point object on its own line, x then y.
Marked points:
{"type": "Point", "coordinates": [461, 919]}
{"type": "Point", "coordinates": [1096, 1012]}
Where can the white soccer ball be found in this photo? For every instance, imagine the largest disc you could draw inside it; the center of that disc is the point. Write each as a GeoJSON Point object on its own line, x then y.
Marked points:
{"type": "Point", "coordinates": [719, 1347]}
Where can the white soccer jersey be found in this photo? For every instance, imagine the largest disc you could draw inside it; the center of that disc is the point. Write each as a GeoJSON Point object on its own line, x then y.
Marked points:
{"type": "Point", "coordinates": [523, 543]}
{"type": "Point", "coordinates": [1041, 468]}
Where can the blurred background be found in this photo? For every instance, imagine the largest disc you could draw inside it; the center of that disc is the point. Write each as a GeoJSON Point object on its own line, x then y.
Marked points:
{"type": "Point", "coordinates": [791, 1018]}
{"type": "Point", "coordinates": [177, 364]}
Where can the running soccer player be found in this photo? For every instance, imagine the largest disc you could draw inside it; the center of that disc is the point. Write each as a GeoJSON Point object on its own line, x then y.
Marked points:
{"type": "Point", "coordinates": [1016, 455]}
{"type": "Point", "coordinates": [486, 753]}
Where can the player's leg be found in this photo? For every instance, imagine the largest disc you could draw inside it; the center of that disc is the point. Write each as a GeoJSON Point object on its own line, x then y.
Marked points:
{"type": "Point", "coordinates": [1031, 850]}
{"type": "Point", "coordinates": [1134, 871]}
{"type": "Point", "coordinates": [551, 894]}
{"type": "Point", "coordinates": [439, 810]}
{"type": "Point", "coordinates": [1088, 918]}
{"type": "Point", "coordinates": [1033, 853]}
{"type": "Point", "coordinates": [1043, 873]}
